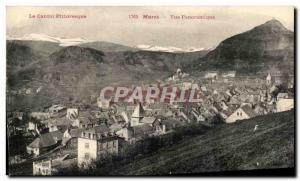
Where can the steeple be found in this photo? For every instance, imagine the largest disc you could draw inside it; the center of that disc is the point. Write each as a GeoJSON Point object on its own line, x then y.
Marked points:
{"type": "Point", "coordinates": [269, 79]}
{"type": "Point", "coordinates": [137, 115]}
{"type": "Point", "coordinates": [138, 111]}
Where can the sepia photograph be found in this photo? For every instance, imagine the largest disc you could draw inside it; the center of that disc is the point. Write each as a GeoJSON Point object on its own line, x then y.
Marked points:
{"type": "Point", "coordinates": [150, 91]}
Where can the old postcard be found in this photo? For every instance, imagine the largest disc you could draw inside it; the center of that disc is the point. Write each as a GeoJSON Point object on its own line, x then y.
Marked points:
{"type": "Point", "coordinates": [155, 91]}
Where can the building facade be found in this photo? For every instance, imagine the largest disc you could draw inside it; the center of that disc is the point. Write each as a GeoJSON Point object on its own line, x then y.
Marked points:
{"type": "Point", "coordinates": [244, 112]}
{"type": "Point", "coordinates": [95, 144]}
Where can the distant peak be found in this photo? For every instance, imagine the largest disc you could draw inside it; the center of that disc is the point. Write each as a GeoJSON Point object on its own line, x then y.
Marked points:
{"type": "Point", "coordinates": [169, 48]}
{"type": "Point", "coordinates": [274, 22]}
{"type": "Point", "coordinates": [273, 25]}
{"type": "Point", "coordinates": [41, 37]}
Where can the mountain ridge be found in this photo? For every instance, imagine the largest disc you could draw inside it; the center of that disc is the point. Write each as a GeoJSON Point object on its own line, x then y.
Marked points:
{"type": "Point", "coordinates": [101, 45]}
{"type": "Point", "coordinates": [67, 70]}
{"type": "Point", "coordinates": [262, 47]}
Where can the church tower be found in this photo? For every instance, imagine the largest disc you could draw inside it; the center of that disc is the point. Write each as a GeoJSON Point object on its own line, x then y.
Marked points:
{"type": "Point", "coordinates": [269, 79]}
{"type": "Point", "coordinates": [137, 115]}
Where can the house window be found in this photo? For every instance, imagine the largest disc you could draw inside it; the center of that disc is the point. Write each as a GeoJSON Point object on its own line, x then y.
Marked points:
{"type": "Point", "coordinates": [89, 135]}
{"type": "Point", "coordinates": [237, 113]}
{"type": "Point", "coordinates": [241, 114]}
{"type": "Point", "coordinates": [86, 145]}
{"type": "Point", "coordinates": [86, 156]}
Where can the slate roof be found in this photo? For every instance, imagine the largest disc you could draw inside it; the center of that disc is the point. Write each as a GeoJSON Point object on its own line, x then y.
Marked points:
{"type": "Point", "coordinates": [148, 120]}
{"type": "Point", "coordinates": [85, 115]}
{"type": "Point", "coordinates": [249, 111]}
{"type": "Point", "coordinates": [170, 123]}
{"type": "Point", "coordinates": [75, 133]}
{"type": "Point", "coordinates": [60, 121]}
{"type": "Point", "coordinates": [63, 128]}
{"type": "Point", "coordinates": [98, 129]}
{"type": "Point", "coordinates": [101, 132]}
{"type": "Point", "coordinates": [234, 100]}
{"type": "Point", "coordinates": [282, 95]}
{"type": "Point", "coordinates": [116, 127]}
{"type": "Point", "coordinates": [46, 140]}
{"type": "Point", "coordinates": [118, 119]}
{"type": "Point", "coordinates": [229, 111]}
{"type": "Point", "coordinates": [142, 130]}
{"type": "Point", "coordinates": [85, 120]}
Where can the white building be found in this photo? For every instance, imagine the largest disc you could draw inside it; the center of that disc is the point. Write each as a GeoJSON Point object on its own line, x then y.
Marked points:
{"type": "Point", "coordinates": [33, 125]}
{"type": "Point", "coordinates": [229, 74]}
{"type": "Point", "coordinates": [284, 105]}
{"type": "Point", "coordinates": [241, 113]}
{"type": "Point", "coordinates": [72, 113]}
{"type": "Point", "coordinates": [211, 75]}
{"type": "Point", "coordinates": [51, 166]}
{"type": "Point", "coordinates": [94, 144]}
{"type": "Point", "coordinates": [42, 168]}
{"type": "Point", "coordinates": [282, 96]}
{"type": "Point", "coordinates": [203, 88]}
{"type": "Point", "coordinates": [40, 115]}
{"type": "Point", "coordinates": [56, 109]}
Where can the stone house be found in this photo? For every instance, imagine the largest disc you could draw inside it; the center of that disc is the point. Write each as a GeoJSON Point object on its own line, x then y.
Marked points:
{"type": "Point", "coordinates": [244, 112]}
{"type": "Point", "coordinates": [96, 143]}
{"type": "Point", "coordinates": [44, 143]}
{"type": "Point", "coordinates": [284, 105]}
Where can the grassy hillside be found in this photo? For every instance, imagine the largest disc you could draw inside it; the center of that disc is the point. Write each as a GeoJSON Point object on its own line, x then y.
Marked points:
{"type": "Point", "coordinates": [78, 73]}
{"type": "Point", "coordinates": [225, 147]}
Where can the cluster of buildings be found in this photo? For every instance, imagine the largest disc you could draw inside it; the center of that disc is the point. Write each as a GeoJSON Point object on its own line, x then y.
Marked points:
{"type": "Point", "coordinates": [101, 130]}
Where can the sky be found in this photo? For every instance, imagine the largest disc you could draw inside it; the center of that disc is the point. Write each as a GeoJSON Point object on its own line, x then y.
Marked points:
{"type": "Point", "coordinates": [112, 24]}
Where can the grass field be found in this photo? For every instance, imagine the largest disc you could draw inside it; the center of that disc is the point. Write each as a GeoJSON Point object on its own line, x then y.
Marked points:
{"type": "Point", "coordinates": [225, 147]}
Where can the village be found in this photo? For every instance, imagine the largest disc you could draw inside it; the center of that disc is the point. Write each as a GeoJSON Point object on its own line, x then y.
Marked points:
{"type": "Point", "coordinates": [61, 135]}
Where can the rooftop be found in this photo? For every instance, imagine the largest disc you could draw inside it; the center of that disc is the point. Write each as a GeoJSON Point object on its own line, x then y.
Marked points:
{"type": "Point", "coordinates": [98, 132]}
{"type": "Point", "coordinates": [46, 140]}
